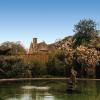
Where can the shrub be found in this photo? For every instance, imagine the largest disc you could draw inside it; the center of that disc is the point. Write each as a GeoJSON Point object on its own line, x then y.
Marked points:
{"type": "Point", "coordinates": [38, 68]}
{"type": "Point", "coordinates": [56, 64]}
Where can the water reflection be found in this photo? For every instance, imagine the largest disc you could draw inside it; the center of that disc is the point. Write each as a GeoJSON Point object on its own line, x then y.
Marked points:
{"type": "Point", "coordinates": [14, 91]}
{"type": "Point", "coordinates": [34, 96]}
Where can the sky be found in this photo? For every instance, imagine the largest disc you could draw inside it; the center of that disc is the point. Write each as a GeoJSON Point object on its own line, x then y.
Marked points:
{"type": "Point", "coordinates": [48, 20]}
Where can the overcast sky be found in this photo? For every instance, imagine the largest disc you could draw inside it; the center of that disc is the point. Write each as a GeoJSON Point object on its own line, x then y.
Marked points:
{"type": "Point", "coordinates": [48, 20]}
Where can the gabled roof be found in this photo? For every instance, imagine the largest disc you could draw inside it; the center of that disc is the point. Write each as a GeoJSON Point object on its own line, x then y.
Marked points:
{"type": "Point", "coordinates": [42, 46]}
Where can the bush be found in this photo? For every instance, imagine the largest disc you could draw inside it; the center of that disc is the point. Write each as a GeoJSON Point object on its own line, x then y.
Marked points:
{"type": "Point", "coordinates": [56, 64]}
{"type": "Point", "coordinates": [38, 69]}
{"type": "Point", "coordinates": [12, 67]}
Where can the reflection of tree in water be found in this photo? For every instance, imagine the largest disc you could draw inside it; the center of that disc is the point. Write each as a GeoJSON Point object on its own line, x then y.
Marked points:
{"type": "Point", "coordinates": [42, 95]}
{"type": "Point", "coordinates": [13, 91]}
{"type": "Point", "coordinates": [90, 91]}
{"type": "Point", "coordinates": [98, 89]}
{"type": "Point", "coordinates": [9, 90]}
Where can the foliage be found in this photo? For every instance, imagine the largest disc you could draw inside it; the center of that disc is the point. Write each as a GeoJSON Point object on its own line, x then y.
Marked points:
{"type": "Point", "coordinates": [81, 51]}
{"type": "Point", "coordinates": [84, 31]}
{"type": "Point", "coordinates": [15, 67]}
{"type": "Point", "coordinates": [12, 48]}
{"type": "Point", "coordinates": [56, 64]}
{"type": "Point", "coordinates": [87, 58]}
{"type": "Point", "coordinates": [95, 43]}
{"type": "Point", "coordinates": [38, 68]}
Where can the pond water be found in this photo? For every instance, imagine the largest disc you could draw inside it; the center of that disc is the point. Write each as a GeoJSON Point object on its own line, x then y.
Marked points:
{"type": "Point", "coordinates": [48, 90]}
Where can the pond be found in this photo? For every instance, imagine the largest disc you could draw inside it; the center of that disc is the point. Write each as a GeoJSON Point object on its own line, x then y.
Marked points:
{"type": "Point", "coordinates": [48, 90]}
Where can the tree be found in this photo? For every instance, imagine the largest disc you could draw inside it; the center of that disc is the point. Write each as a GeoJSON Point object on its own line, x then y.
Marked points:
{"type": "Point", "coordinates": [88, 59]}
{"type": "Point", "coordinates": [5, 51]}
{"type": "Point", "coordinates": [84, 31]}
{"type": "Point", "coordinates": [12, 48]}
{"type": "Point", "coordinates": [56, 64]}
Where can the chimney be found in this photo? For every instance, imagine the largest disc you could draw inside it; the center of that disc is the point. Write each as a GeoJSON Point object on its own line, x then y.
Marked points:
{"type": "Point", "coordinates": [34, 40]}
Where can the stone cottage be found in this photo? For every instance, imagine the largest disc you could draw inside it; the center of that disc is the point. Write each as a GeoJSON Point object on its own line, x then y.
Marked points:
{"type": "Point", "coordinates": [38, 47]}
